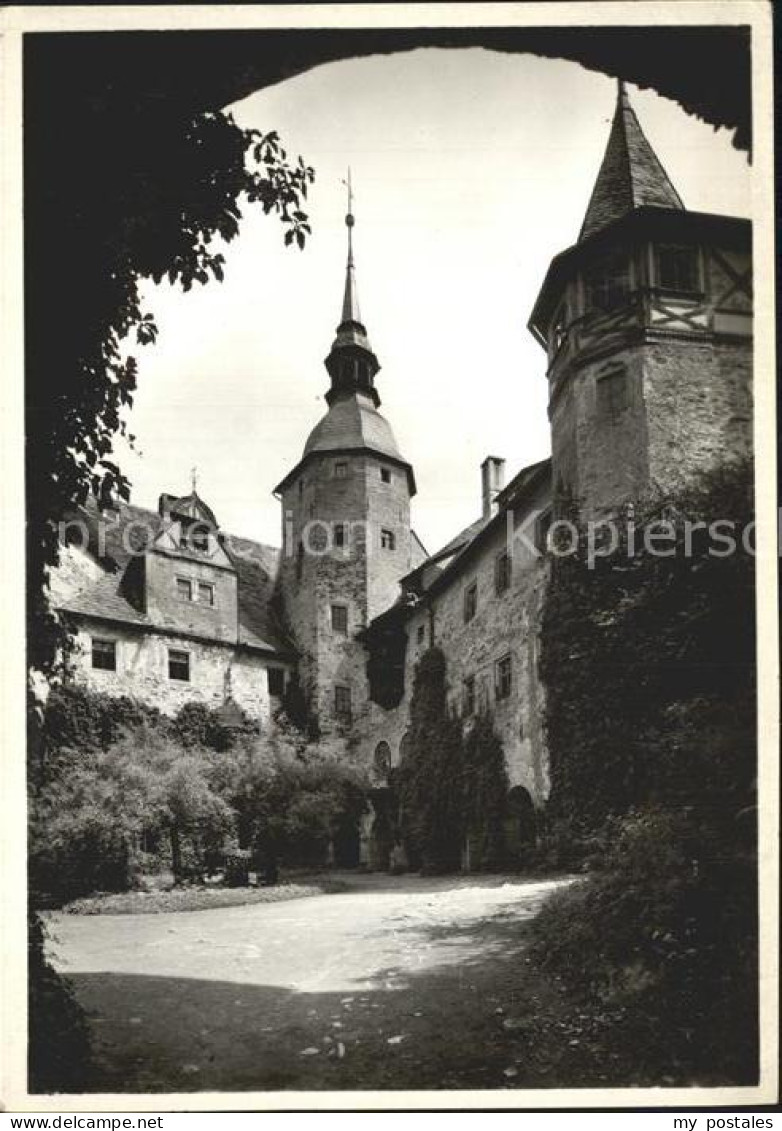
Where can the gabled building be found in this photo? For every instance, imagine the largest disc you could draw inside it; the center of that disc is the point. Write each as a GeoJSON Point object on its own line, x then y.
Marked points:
{"type": "Point", "coordinates": [168, 609]}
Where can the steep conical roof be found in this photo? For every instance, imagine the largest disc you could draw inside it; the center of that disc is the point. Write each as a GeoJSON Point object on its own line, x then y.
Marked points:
{"type": "Point", "coordinates": [630, 176]}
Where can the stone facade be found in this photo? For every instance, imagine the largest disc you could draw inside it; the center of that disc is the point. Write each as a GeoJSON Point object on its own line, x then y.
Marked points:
{"type": "Point", "coordinates": [218, 673]}
{"type": "Point", "coordinates": [505, 624]}
{"type": "Point", "coordinates": [167, 624]}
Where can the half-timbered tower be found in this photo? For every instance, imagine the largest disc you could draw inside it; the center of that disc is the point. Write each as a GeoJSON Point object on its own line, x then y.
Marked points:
{"type": "Point", "coordinates": [647, 322]}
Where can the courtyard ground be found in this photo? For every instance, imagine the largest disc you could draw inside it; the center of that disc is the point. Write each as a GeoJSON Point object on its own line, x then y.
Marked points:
{"type": "Point", "coordinates": [401, 982]}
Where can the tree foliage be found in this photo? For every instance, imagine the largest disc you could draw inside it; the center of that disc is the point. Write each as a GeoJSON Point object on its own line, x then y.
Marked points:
{"type": "Point", "coordinates": [485, 792]}
{"type": "Point", "coordinates": [117, 781]}
{"type": "Point", "coordinates": [649, 664]}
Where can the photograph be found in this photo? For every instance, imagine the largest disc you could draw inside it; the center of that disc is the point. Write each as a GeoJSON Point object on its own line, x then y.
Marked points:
{"type": "Point", "coordinates": [397, 468]}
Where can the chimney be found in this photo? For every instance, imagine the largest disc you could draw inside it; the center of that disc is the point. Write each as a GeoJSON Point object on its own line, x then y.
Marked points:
{"type": "Point", "coordinates": [492, 482]}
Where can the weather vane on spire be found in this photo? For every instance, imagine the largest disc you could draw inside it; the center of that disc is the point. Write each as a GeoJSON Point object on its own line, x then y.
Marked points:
{"type": "Point", "coordinates": [194, 478]}
{"type": "Point", "coordinates": [350, 218]}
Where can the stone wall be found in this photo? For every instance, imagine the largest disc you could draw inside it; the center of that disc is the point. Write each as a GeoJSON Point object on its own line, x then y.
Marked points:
{"type": "Point", "coordinates": [216, 671]}
{"type": "Point", "coordinates": [168, 609]}
{"type": "Point", "coordinates": [363, 575]}
{"type": "Point", "coordinates": [504, 624]}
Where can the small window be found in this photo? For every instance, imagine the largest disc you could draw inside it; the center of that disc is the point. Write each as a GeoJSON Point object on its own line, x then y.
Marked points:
{"type": "Point", "coordinates": [339, 535]}
{"type": "Point", "coordinates": [612, 398]}
{"type": "Point", "coordinates": [184, 589]}
{"type": "Point", "coordinates": [104, 654]}
{"type": "Point", "coordinates": [421, 635]}
{"type": "Point", "coordinates": [299, 561]}
{"type": "Point", "coordinates": [343, 707]}
{"type": "Point", "coordinates": [339, 618]}
{"type": "Point", "coordinates": [179, 665]}
{"type": "Point", "coordinates": [340, 469]}
{"type": "Point", "coordinates": [199, 539]}
{"type": "Point", "coordinates": [468, 695]}
{"type": "Point", "coordinates": [385, 474]}
{"type": "Point", "coordinates": [301, 487]}
{"type": "Point", "coordinates": [382, 758]}
{"type": "Point", "coordinates": [388, 539]}
{"type": "Point", "coordinates": [677, 268]}
{"type": "Point", "coordinates": [502, 572]}
{"type": "Point", "coordinates": [503, 677]}
{"type": "Point", "coordinates": [607, 284]}
{"type": "Point", "coordinates": [206, 593]}
{"type": "Point", "coordinates": [470, 601]}
{"type": "Point", "coordinates": [276, 682]}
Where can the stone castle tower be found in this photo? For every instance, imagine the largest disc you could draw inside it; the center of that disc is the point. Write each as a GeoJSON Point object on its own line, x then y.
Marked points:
{"type": "Point", "coordinates": [347, 539]}
{"type": "Point", "coordinates": [647, 323]}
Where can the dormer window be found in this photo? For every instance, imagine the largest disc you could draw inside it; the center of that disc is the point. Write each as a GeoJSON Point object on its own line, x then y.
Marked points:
{"type": "Point", "coordinates": [607, 283]}
{"type": "Point", "coordinates": [678, 269]}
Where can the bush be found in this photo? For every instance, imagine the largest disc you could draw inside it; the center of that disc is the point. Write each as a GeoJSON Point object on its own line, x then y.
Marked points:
{"type": "Point", "coordinates": [431, 774]}
{"type": "Point", "coordinates": [485, 791]}
{"type": "Point", "coordinates": [88, 820]}
{"type": "Point", "coordinates": [665, 929]}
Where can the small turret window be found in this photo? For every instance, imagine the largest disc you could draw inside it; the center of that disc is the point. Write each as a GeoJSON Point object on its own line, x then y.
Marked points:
{"type": "Point", "coordinates": [388, 539]}
{"type": "Point", "coordinates": [341, 469]}
{"type": "Point", "coordinates": [339, 618]}
{"type": "Point", "coordinates": [385, 474]}
{"type": "Point", "coordinates": [677, 268]}
{"type": "Point", "coordinates": [343, 704]}
{"type": "Point", "coordinates": [607, 283]}
{"type": "Point", "coordinates": [612, 395]}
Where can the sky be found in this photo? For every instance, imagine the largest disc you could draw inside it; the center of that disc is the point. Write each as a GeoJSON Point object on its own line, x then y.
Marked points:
{"type": "Point", "coordinates": [471, 170]}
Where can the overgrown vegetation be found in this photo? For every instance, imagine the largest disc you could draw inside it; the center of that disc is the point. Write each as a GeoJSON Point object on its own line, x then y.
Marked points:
{"type": "Point", "coordinates": [120, 791]}
{"type": "Point", "coordinates": [451, 786]}
{"type": "Point", "coordinates": [649, 669]}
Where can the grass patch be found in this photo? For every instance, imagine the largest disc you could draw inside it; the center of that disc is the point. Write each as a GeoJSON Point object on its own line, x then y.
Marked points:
{"type": "Point", "coordinates": [195, 898]}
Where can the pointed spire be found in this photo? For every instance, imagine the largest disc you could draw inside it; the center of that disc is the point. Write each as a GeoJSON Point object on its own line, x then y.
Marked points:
{"type": "Point", "coordinates": [351, 363]}
{"type": "Point", "coordinates": [631, 174]}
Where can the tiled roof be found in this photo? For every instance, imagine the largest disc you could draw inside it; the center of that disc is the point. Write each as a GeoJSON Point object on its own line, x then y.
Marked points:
{"type": "Point", "coordinates": [127, 531]}
{"type": "Point", "coordinates": [630, 176]}
{"type": "Point", "coordinates": [439, 564]}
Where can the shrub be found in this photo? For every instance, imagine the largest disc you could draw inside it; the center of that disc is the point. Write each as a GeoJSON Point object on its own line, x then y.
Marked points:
{"type": "Point", "coordinates": [87, 821]}
{"type": "Point", "coordinates": [665, 929]}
